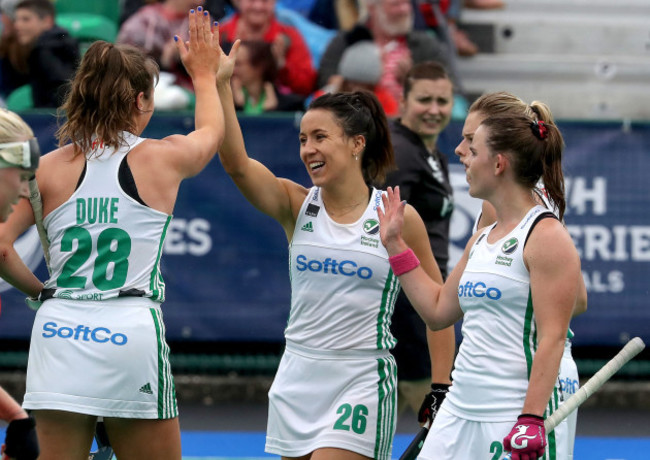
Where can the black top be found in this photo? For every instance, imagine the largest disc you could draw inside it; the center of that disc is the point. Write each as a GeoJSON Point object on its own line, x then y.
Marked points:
{"type": "Point", "coordinates": [52, 63]}
{"type": "Point", "coordinates": [423, 180]}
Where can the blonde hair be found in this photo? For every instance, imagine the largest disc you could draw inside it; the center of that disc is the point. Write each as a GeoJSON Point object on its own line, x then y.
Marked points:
{"type": "Point", "coordinates": [13, 128]}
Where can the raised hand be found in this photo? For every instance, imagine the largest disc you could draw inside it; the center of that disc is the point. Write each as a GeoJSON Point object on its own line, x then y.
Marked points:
{"type": "Point", "coordinates": [391, 219]}
{"type": "Point", "coordinates": [227, 66]}
{"type": "Point", "coordinates": [201, 54]}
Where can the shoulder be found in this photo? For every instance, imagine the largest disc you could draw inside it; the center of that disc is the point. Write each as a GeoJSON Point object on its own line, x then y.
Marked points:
{"type": "Point", "coordinates": [549, 240]}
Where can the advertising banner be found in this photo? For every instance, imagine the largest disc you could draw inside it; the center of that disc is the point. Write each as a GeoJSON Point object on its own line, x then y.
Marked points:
{"type": "Point", "coordinates": [225, 264]}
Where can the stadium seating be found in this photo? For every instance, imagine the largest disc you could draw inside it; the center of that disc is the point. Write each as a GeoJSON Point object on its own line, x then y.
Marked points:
{"type": "Point", "coordinates": [108, 8]}
{"type": "Point", "coordinates": [20, 99]}
{"type": "Point", "coordinates": [87, 27]}
{"type": "Point", "coordinates": [588, 59]}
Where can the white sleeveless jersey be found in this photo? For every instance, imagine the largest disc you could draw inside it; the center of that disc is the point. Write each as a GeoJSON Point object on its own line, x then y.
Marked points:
{"type": "Point", "coordinates": [499, 331]}
{"type": "Point", "coordinates": [342, 287]}
{"type": "Point", "coordinates": [103, 243]}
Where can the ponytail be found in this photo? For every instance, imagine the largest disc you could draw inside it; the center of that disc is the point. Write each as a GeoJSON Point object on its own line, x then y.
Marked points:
{"type": "Point", "coordinates": [535, 149]}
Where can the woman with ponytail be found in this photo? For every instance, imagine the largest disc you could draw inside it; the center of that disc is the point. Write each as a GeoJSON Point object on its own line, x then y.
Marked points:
{"type": "Point", "coordinates": [515, 288]}
{"type": "Point", "coordinates": [503, 104]}
{"type": "Point", "coordinates": [335, 391]}
{"type": "Point", "coordinates": [98, 344]}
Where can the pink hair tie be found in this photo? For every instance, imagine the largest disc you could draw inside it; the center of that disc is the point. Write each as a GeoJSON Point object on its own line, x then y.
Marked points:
{"type": "Point", "coordinates": [403, 262]}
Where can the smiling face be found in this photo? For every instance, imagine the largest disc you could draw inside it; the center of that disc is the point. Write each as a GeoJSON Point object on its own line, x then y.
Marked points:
{"type": "Point", "coordinates": [426, 110]}
{"type": "Point", "coordinates": [472, 122]}
{"type": "Point", "coordinates": [328, 154]}
{"type": "Point", "coordinates": [13, 187]}
{"type": "Point", "coordinates": [256, 13]}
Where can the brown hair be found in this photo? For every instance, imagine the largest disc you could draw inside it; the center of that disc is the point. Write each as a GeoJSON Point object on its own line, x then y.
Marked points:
{"type": "Point", "coordinates": [261, 57]}
{"type": "Point", "coordinates": [42, 8]}
{"type": "Point", "coordinates": [533, 153]}
{"type": "Point", "coordinates": [428, 70]}
{"type": "Point", "coordinates": [102, 97]}
{"type": "Point", "coordinates": [503, 103]}
{"type": "Point", "coordinates": [360, 113]}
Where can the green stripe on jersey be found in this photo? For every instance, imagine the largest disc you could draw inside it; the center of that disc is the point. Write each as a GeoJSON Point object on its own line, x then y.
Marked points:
{"type": "Point", "coordinates": [385, 340]}
{"type": "Point", "coordinates": [157, 285]}
{"type": "Point", "coordinates": [529, 334]}
{"type": "Point", "coordinates": [167, 407]}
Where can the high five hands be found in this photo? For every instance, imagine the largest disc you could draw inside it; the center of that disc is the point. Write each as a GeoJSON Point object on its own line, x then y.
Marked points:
{"type": "Point", "coordinates": [202, 53]}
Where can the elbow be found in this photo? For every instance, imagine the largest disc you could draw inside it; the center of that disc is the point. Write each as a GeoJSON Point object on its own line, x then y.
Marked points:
{"type": "Point", "coordinates": [5, 250]}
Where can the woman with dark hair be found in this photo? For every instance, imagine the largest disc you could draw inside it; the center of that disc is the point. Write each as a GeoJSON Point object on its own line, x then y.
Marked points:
{"type": "Point", "coordinates": [514, 326]}
{"type": "Point", "coordinates": [98, 344]}
{"type": "Point", "coordinates": [334, 393]}
{"type": "Point", "coordinates": [423, 178]}
{"type": "Point", "coordinates": [253, 80]}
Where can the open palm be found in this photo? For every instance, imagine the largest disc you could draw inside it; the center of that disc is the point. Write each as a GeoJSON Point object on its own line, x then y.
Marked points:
{"type": "Point", "coordinates": [227, 64]}
{"type": "Point", "coordinates": [391, 219]}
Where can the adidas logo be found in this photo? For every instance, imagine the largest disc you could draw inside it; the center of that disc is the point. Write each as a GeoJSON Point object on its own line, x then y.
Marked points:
{"type": "Point", "coordinates": [146, 388]}
{"type": "Point", "coordinates": [308, 227]}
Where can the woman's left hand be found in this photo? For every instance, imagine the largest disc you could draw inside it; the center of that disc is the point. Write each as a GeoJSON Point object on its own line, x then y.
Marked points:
{"type": "Point", "coordinates": [391, 220]}
{"type": "Point", "coordinates": [227, 66]}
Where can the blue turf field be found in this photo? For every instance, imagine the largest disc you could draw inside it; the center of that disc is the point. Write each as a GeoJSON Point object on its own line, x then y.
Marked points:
{"type": "Point", "coordinates": [213, 445]}
{"type": "Point", "coordinates": [204, 445]}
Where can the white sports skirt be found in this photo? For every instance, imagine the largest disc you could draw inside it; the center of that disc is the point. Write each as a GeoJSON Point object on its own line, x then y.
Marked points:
{"type": "Point", "coordinates": [344, 400]}
{"type": "Point", "coordinates": [106, 358]}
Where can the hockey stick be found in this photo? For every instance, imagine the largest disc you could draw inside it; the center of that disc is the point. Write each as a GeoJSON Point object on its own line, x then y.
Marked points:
{"type": "Point", "coordinates": [415, 447]}
{"type": "Point", "coordinates": [37, 206]}
{"type": "Point", "coordinates": [104, 450]}
{"type": "Point", "coordinates": [629, 351]}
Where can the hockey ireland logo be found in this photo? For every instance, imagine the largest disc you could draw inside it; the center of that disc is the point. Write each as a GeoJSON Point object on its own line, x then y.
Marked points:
{"type": "Point", "coordinates": [510, 246]}
{"type": "Point", "coordinates": [371, 226]}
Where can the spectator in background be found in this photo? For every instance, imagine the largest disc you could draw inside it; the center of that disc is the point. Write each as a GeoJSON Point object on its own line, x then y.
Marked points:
{"type": "Point", "coordinates": [256, 20]}
{"type": "Point", "coordinates": [252, 82]}
{"type": "Point", "coordinates": [423, 178]}
{"type": "Point", "coordinates": [389, 24]}
{"type": "Point", "coordinates": [360, 69]}
{"type": "Point", "coordinates": [152, 29]}
{"type": "Point", "coordinates": [53, 54]}
{"type": "Point", "coordinates": [217, 8]}
{"type": "Point", "coordinates": [335, 14]}
{"type": "Point", "coordinates": [13, 56]}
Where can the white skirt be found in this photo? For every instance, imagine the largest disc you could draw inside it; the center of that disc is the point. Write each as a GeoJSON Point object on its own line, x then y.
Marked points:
{"type": "Point", "coordinates": [105, 358]}
{"type": "Point", "coordinates": [345, 400]}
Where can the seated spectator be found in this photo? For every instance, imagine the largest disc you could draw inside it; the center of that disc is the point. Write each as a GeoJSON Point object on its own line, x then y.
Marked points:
{"type": "Point", "coordinates": [152, 29]}
{"type": "Point", "coordinates": [255, 20]}
{"type": "Point", "coordinates": [13, 56]}
{"type": "Point", "coordinates": [252, 82]}
{"type": "Point", "coordinates": [450, 10]}
{"type": "Point", "coordinates": [217, 8]}
{"type": "Point", "coordinates": [53, 55]}
{"type": "Point", "coordinates": [389, 24]}
{"type": "Point", "coordinates": [335, 14]}
{"type": "Point", "coordinates": [360, 69]}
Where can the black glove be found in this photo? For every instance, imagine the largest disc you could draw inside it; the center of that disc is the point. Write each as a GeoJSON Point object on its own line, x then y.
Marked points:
{"type": "Point", "coordinates": [20, 439]}
{"type": "Point", "coordinates": [432, 401]}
